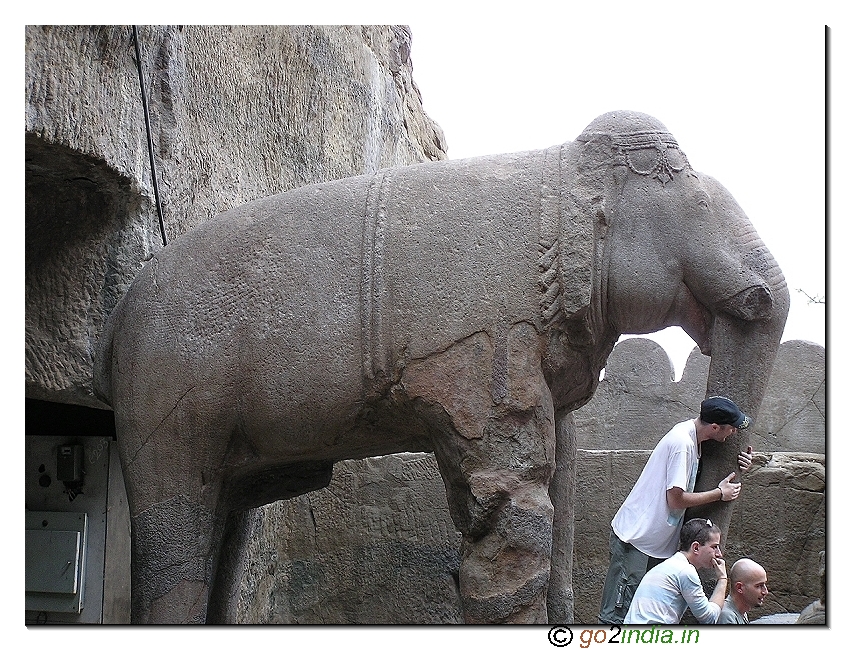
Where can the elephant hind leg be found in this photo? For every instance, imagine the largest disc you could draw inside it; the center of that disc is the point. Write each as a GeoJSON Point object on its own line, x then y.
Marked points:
{"type": "Point", "coordinates": [495, 444]}
{"type": "Point", "coordinates": [175, 544]}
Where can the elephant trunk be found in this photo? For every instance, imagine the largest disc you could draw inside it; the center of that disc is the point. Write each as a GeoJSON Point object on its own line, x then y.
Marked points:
{"type": "Point", "coordinates": [743, 351]}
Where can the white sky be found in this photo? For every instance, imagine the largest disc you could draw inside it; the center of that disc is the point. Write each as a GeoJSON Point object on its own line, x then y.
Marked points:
{"type": "Point", "coordinates": [744, 95]}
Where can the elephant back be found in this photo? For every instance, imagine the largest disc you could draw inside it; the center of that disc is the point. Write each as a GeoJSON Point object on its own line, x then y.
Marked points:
{"type": "Point", "coordinates": [454, 251]}
{"type": "Point", "coordinates": [364, 273]}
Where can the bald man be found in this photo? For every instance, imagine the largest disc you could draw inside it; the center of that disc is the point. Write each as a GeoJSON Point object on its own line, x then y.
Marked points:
{"type": "Point", "coordinates": [749, 588]}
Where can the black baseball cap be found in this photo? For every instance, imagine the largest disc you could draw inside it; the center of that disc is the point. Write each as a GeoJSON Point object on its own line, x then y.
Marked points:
{"type": "Point", "coordinates": [723, 411]}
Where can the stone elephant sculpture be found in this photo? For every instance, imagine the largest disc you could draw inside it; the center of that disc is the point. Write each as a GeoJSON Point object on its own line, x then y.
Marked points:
{"type": "Point", "coordinates": [462, 307]}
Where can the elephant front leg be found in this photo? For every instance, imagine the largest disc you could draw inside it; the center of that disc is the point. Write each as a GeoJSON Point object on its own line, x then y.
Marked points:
{"type": "Point", "coordinates": [492, 424]}
{"type": "Point", "coordinates": [504, 571]}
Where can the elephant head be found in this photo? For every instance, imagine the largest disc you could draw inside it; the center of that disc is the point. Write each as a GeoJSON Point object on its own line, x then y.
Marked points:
{"type": "Point", "coordinates": [646, 242]}
{"type": "Point", "coordinates": [672, 247]}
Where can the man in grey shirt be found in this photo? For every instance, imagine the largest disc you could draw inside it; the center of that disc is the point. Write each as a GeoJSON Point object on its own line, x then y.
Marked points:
{"type": "Point", "coordinates": [749, 588]}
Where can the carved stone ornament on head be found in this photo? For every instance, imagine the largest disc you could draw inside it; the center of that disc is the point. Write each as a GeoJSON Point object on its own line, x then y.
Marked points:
{"type": "Point", "coordinates": [652, 154]}
{"type": "Point", "coordinates": [644, 146]}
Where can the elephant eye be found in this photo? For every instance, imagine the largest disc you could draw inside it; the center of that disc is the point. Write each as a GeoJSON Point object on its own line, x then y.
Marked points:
{"type": "Point", "coordinates": [701, 199]}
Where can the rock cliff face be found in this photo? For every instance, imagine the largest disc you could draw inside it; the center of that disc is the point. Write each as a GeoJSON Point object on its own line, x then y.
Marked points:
{"type": "Point", "coordinates": [236, 113]}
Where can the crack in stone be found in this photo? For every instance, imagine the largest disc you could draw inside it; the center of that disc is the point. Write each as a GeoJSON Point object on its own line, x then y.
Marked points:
{"type": "Point", "coordinates": [822, 414]}
{"type": "Point", "coordinates": [797, 412]}
{"type": "Point", "coordinates": [194, 617]}
{"type": "Point", "coordinates": [162, 421]}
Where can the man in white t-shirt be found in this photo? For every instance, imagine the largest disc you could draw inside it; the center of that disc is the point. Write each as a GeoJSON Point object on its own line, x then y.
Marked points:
{"type": "Point", "coordinates": [645, 530]}
{"type": "Point", "coordinates": [673, 586]}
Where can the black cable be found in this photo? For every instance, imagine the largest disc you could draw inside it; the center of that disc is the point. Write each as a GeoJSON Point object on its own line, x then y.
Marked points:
{"type": "Point", "coordinates": [148, 129]}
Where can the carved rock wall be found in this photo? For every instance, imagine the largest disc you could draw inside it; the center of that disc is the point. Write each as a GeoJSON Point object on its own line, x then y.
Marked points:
{"type": "Point", "coordinates": [237, 113]}
{"type": "Point", "coordinates": [378, 546]}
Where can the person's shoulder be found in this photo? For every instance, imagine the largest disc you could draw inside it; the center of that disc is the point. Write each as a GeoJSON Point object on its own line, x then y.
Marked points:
{"type": "Point", "coordinates": [677, 563]}
{"type": "Point", "coordinates": [680, 434]}
{"type": "Point", "coordinates": [729, 613]}
{"type": "Point", "coordinates": [684, 427]}
{"type": "Point", "coordinates": [686, 569]}
{"type": "Point", "coordinates": [727, 616]}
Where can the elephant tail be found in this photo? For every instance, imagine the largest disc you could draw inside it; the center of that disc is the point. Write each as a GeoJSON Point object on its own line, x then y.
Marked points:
{"type": "Point", "coordinates": [102, 365]}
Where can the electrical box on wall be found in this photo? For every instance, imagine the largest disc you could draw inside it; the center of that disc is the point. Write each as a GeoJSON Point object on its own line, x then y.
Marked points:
{"type": "Point", "coordinates": [77, 532]}
{"type": "Point", "coordinates": [56, 545]}
{"type": "Point", "coordinates": [69, 462]}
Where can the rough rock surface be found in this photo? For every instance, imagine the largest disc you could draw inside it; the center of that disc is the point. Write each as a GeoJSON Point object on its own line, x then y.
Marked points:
{"type": "Point", "coordinates": [779, 519]}
{"type": "Point", "coordinates": [794, 418]}
{"type": "Point", "coordinates": [237, 113]}
{"type": "Point", "coordinates": [815, 613]}
{"type": "Point", "coordinates": [377, 546]}
{"type": "Point", "coordinates": [783, 514]}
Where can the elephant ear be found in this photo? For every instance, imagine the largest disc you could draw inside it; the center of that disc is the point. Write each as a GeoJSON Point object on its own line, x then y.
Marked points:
{"type": "Point", "coordinates": [591, 169]}
{"type": "Point", "coordinates": [571, 258]}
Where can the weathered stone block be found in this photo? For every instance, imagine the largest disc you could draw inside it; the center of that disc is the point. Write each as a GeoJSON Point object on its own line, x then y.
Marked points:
{"type": "Point", "coordinates": [638, 388]}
